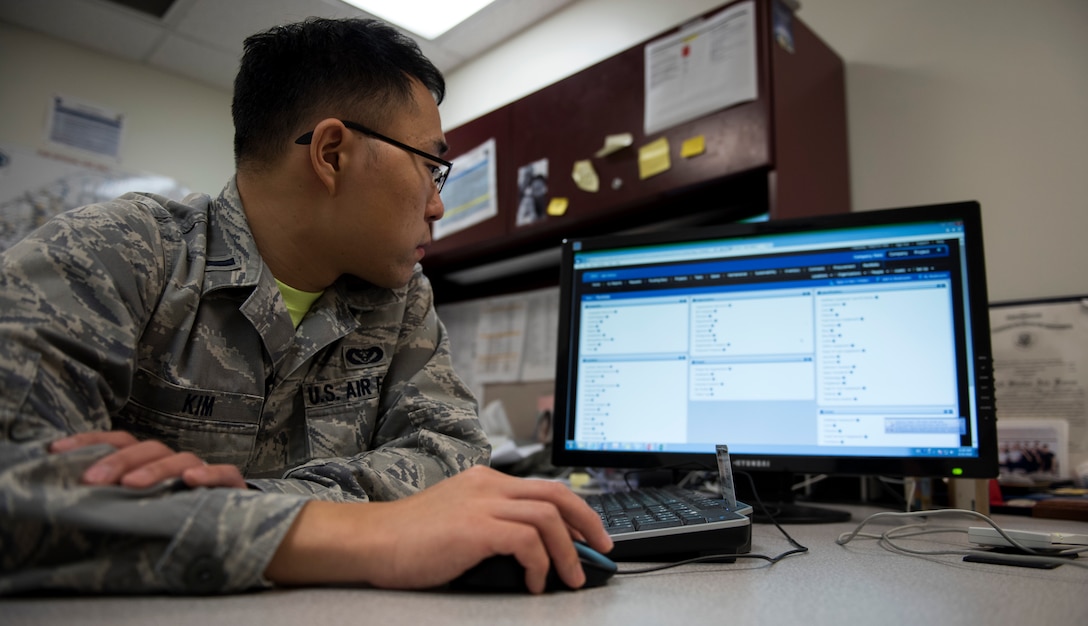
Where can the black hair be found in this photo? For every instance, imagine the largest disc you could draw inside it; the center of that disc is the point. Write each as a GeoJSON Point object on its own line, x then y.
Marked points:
{"type": "Point", "coordinates": [356, 69]}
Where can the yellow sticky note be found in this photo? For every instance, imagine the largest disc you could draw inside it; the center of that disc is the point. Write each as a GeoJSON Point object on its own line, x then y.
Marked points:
{"type": "Point", "coordinates": [558, 206]}
{"type": "Point", "coordinates": [585, 176]}
{"type": "Point", "coordinates": [615, 143]}
{"type": "Point", "coordinates": [653, 158]}
{"type": "Point", "coordinates": [693, 146]}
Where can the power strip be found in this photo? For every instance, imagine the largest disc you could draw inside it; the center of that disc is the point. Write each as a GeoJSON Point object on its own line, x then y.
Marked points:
{"type": "Point", "coordinates": [987, 536]}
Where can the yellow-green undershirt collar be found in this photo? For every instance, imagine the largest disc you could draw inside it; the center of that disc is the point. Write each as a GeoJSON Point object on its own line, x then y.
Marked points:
{"type": "Point", "coordinates": [298, 301]}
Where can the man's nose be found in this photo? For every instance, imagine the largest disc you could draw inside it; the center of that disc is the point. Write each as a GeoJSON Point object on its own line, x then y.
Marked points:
{"type": "Point", "coordinates": [435, 208]}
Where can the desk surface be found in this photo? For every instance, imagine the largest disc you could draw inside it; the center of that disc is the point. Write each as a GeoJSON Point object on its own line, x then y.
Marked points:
{"type": "Point", "coordinates": [857, 583]}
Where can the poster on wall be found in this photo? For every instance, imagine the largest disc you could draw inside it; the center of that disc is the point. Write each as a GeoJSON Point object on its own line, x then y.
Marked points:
{"type": "Point", "coordinates": [87, 127]}
{"type": "Point", "coordinates": [36, 186]}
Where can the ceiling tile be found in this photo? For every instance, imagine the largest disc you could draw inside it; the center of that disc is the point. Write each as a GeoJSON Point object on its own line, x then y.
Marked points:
{"type": "Point", "coordinates": [225, 25]}
{"type": "Point", "coordinates": [496, 23]}
{"type": "Point", "coordinates": [205, 64]}
{"type": "Point", "coordinates": [98, 25]}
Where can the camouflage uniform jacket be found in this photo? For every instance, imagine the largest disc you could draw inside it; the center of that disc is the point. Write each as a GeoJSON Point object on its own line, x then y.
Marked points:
{"type": "Point", "coordinates": [160, 318]}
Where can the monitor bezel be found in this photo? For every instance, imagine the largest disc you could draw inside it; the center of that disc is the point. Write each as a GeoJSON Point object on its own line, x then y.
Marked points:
{"type": "Point", "coordinates": [985, 465]}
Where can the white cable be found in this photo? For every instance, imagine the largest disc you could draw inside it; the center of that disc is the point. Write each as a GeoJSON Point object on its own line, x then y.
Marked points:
{"type": "Point", "coordinates": [912, 530]}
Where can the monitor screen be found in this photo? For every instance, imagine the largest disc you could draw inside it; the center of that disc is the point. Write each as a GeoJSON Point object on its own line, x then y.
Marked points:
{"type": "Point", "coordinates": [854, 344]}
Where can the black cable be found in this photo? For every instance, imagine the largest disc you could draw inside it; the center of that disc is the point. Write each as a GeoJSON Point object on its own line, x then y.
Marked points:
{"type": "Point", "coordinates": [713, 558]}
{"type": "Point", "coordinates": [755, 494]}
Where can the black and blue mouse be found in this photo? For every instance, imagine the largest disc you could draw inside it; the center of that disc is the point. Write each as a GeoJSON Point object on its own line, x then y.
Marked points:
{"type": "Point", "coordinates": [504, 573]}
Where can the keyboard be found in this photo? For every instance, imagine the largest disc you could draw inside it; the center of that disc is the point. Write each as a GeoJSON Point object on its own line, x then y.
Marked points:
{"type": "Point", "coordinates": [672, 523]}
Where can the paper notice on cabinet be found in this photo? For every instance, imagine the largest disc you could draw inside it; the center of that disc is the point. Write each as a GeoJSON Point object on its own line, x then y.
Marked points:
{"type": "Point", "coordinates": [703, 68]}
{"type": "Point", "coordinates": [1041, 365]}
{"type": "Point", "coordinates": [541, 334]}
{"type": "Point", "coordinates": [504, 338]}
{"type": "Point", "coordinates": [471, 191]}
{"type": "Point", "coordinates": [500, 340]}
{"type": "Point", "coordinates": [461, 320]}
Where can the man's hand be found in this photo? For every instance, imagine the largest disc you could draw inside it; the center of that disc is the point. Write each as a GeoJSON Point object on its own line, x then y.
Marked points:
{"type": "Point", "coordinates": [430, 538]}
{"type": "Point", "coordinates": [140, 464]}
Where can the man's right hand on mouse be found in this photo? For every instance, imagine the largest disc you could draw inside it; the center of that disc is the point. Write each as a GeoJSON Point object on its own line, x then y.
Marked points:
{"type": "Point", "coordinates": [428, 539]}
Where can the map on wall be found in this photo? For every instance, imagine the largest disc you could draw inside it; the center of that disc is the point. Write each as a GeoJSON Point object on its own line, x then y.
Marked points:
{"type": "Point", "coordinates": [35, 186]}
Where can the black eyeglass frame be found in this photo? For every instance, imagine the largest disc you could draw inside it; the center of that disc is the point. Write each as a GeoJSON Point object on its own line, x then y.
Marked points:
{"type": "Point", "coordinates": [439, 177]}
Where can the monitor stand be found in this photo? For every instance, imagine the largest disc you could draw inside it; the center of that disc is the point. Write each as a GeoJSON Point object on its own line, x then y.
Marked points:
{"type": "Point", "coordinates": [794, 513]}
{"type": "Point", "coordinates": [774, 491]}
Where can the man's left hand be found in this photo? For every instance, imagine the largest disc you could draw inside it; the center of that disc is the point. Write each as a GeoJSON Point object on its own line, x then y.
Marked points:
{"type": "Point", "coordinates": [140, 464]}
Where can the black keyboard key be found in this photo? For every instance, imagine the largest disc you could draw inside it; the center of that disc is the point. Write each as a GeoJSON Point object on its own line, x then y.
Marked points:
{"type": "Point", "coordinates": [654, 524]}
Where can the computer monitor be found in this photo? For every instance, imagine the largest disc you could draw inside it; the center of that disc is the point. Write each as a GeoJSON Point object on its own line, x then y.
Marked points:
{"type": "Point", "coordinates": [853, 344]}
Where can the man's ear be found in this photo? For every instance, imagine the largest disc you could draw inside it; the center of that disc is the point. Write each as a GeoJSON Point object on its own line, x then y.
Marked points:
{"type": "Point", "coordinates": [327, 148]}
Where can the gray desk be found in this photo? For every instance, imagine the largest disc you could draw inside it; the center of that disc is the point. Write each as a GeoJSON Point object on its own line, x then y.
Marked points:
{"type": "Point", "coordinates": [858, 584]}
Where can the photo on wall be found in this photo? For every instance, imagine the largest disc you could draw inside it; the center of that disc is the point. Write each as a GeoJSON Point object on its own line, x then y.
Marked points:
{"type": "Point", "coordinates": [1032, 451]}
{"type": "Point", "coordinates": [532, 192]}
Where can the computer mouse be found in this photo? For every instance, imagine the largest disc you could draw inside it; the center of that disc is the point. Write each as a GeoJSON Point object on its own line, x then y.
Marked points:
{"type": "Point", "coordinates": [504, 573]}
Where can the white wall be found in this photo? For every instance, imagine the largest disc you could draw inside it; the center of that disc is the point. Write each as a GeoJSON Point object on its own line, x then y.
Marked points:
{"type": "Point", "coordinates": [172, 126]}
{"type": "Point", "coordinates": [948, 100]}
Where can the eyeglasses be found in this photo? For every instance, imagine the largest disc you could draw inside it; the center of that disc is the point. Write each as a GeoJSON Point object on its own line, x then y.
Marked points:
{"type": "Point", "coordinates": [438, 174]}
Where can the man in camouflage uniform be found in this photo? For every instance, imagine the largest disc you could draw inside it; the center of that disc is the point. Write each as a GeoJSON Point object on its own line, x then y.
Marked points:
{"type": "Point", "coordinates": [219, 395]}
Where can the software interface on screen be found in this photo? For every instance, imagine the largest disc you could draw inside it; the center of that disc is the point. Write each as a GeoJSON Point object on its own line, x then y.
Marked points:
{"type": "Point", "coordinates": [841, 342]}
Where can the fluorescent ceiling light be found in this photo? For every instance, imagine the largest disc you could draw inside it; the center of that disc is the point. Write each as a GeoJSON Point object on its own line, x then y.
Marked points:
{"type": "Point", "coordinates": [426, 18]}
